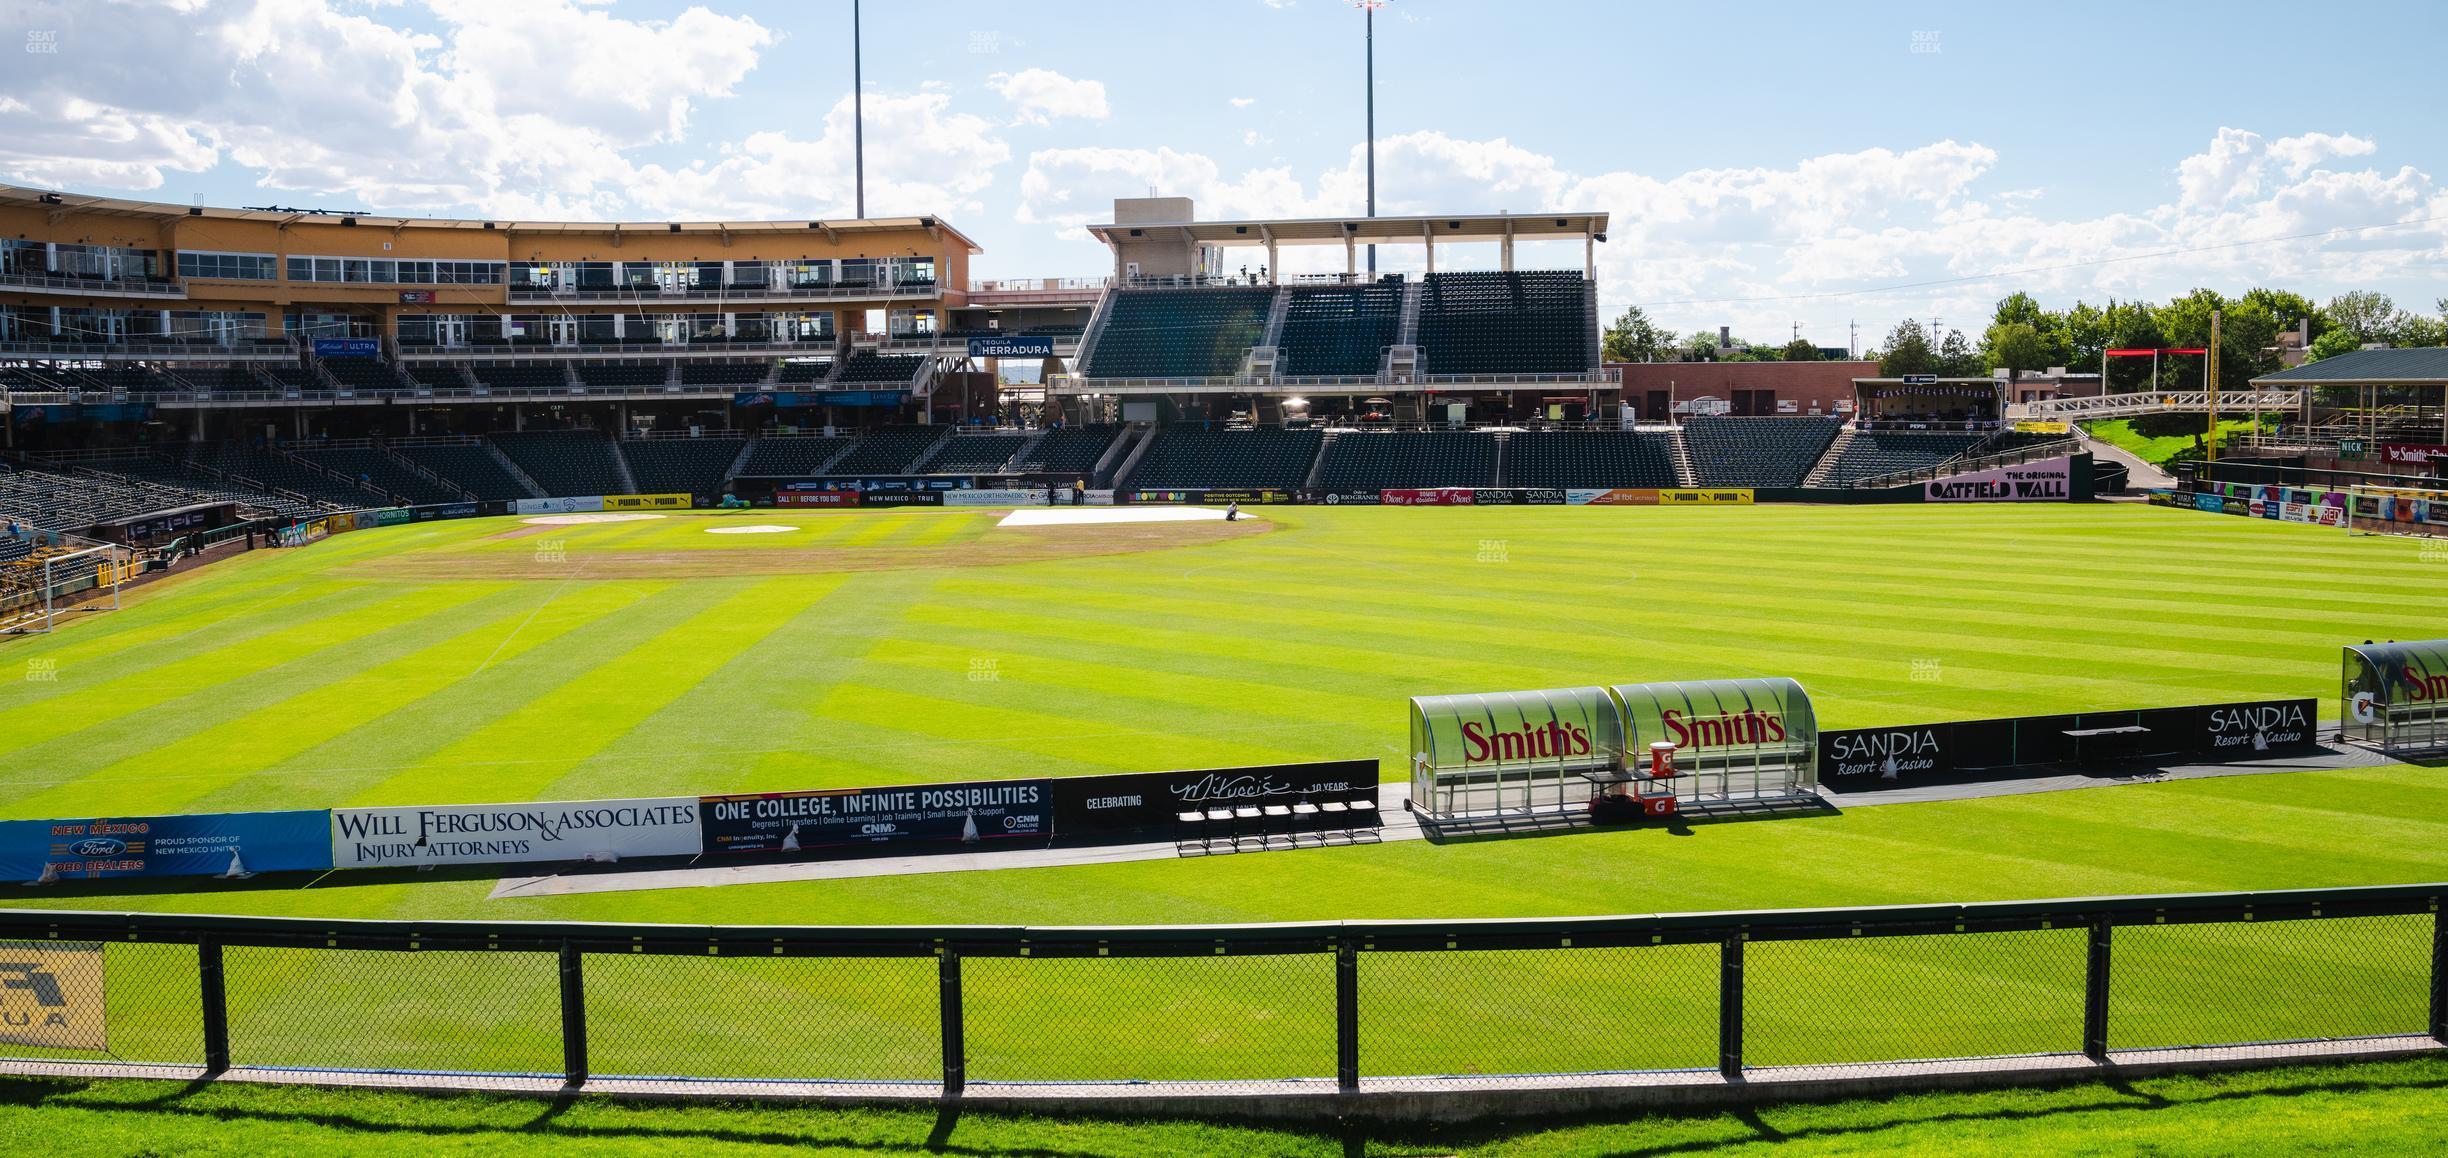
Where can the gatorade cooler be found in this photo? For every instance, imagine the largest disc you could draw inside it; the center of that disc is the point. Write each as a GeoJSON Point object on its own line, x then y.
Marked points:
{"type": "Point", "coordinates": [1655, 793]}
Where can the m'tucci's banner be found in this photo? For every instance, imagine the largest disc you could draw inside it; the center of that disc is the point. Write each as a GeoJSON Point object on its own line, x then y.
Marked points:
{"type": "Point", "coordinates": [508, 833]}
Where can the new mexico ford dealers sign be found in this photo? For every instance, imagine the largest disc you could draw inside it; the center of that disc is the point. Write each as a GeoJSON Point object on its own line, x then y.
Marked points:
{"type": "Point", "coordinates": [506, 833]}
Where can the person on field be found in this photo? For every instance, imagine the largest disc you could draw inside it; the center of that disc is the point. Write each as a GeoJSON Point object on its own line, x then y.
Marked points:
{"type": "Point", "coordinates": [1232, 512]}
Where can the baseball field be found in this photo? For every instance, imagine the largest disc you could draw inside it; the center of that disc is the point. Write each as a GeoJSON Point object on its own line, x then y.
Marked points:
{"type": "Point", "coordinates": [503, 660]}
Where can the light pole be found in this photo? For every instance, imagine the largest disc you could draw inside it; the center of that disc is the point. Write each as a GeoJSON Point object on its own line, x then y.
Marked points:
{"type": "Point", "coordinates": [1368, 9]}
{"type": "Point", "coordinates": [858, 115]}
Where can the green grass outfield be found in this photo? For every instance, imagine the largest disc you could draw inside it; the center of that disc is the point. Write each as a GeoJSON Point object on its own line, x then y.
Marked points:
{"type": "Point", "coordinates": [360, 671]}
{"type": "Point", "coordinates": [2372, 1109]}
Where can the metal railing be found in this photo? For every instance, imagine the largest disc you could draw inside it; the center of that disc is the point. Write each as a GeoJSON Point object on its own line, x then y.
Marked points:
{"type": "Point", "coordinates": [1325, 1005]}
{"type": "Point", "coordinates": [136, 287]}
{"type": "Point", "coordinates": [1954, 466]}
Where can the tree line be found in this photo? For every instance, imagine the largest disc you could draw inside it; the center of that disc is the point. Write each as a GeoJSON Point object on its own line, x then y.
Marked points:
{"type": "Point", "coordinates": [2022, 335]}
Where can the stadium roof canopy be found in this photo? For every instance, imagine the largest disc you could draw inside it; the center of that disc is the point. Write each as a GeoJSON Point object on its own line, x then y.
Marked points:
{"type": "Point", "coordinates": [2417, 367]}
{"type": "Point", "coordinates": [1364, 230]}
{"type": "Point", "coordinates": [12, 195]}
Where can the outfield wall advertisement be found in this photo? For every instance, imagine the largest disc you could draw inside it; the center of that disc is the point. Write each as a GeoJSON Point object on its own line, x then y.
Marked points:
{"type": "Point", "coordinates": [1876, 759]}
{"type": "Point", "coordinates": [568, 506]}
{"type": "Point", "coordinates": [166, 846]}
{"type": "Point", "coordinates": [2049, 480]}
{"type": "Point", "coordinates": [511, 833]}
{"type": "Point", "coordinates": [646, 502]}
{"type": "Point", "coordinates": [1659, 496]}
{"type": "Point", "coordinates": [1147, 800]}
{"type": "Point", "coordinates": [790, 821]}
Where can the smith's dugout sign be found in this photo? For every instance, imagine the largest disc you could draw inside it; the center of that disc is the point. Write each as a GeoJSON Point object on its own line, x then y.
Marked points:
{"type": "Point", "coordinates": [51, 995]}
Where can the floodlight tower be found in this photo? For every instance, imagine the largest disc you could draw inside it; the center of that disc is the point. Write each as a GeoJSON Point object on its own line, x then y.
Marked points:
{"type": "Point", "coordinates": [1368, 10]}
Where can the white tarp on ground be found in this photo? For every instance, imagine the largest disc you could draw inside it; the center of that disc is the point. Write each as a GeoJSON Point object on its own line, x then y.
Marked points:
{"type": "Point", "coordinates": [1063, 516]}
{"type": "Point", "coordinates": [566, 830]}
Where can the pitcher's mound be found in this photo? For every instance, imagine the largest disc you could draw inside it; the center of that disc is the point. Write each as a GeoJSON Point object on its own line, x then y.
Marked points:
{"type": "Point", "coordinates": [1107, 516]}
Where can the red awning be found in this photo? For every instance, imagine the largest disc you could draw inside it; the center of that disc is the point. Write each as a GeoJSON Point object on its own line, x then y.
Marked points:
{"type": "Point", "coordinates": [2145, 353]}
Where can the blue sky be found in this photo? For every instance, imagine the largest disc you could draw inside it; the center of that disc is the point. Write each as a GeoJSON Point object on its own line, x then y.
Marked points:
{"type": "Point", "coordinates": [1767, 165]}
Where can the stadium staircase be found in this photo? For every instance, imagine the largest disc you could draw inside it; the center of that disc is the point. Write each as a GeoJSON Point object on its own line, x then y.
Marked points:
{"type": "Point", "coordinates": [620, 468]}
{"type": "Point", "coordinates": [1145, 437]}
{"type": "Point", "coordinates": [739, 464]}
{"type": "Point", "coordinates": [1317, 470]}
{"type": "Point", "coordinates": [1028, 450]}
{"type": "Point", "coordinates": [1819, 472]}
{"type": "Point", "coordinates": [1095, 328]}
{"type": "Point", "coordinates": [1685, 474]}
{"type": "Point", "coordinates": [503, 461]}
{"type": "Point", "coordinates": [1272, 335]}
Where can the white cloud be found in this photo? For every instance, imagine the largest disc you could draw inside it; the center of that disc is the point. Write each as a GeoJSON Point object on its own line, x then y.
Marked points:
{"type": "Point", "coordinates": [1807, 238]}
{"type": "Point", "coordinates": [938, 162]}
{"type": "Point", "coordinates": [1040, 95]}
{"type": "Point", "coordinates": [1243, 102]}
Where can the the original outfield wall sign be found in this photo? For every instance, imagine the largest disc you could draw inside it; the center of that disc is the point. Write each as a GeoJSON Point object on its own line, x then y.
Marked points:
{"type": "Point", "coordinates": [505, 833]}
{"type": "Point", "coordinates": [52, 995]}
{"type": "Point", "coordinates": [1873, 759]}
{"type": "Point", "coordinates": [1141, 800]}
{"type": "Point", "coordinates": [2050, 480]}
{"type": "Point", "coordinates": [790, 821]}
{"type": "Point", "coordinates": [229, 843]}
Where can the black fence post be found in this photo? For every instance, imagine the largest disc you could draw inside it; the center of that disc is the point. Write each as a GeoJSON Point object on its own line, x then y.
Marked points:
{"type": "Point", "coordinates": [214, 992]}
{"type": "Point", "coordinates": [2095, 994]}
{"type": "Point", "coordinates": [573, 1015]}
{"type": "Point", "coordinates": [1730, 1007]}
{"type": "Point", "coordinates": [2439, 976]}
{"type": "Point", "coordinates": [955, 1046]}
{"type": "Point", "coordinates": [1347, 1017]}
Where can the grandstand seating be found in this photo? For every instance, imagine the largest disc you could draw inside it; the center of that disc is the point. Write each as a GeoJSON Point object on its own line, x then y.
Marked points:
{"type": "Point", "coordinates": [472, 467]}
{"type": "Point", "coordinates": [365, 374]}
{"type": "Point", "coordinates": [804, 372]}
{"type": "Point", "coordinates": [554, 377]}
{"type": "Point", "coordinates": [976, 454]}
{"type": "Point", "coordinates": [693, 466]}
{"type": "Point", "coordinates": [234, 378]}
{"type": "Point", "coordinates": [73, 502]}
{"type": "Point", "coordinates": [791, 456]}
{"type": "Point", "coordinates": [565, 462]}
{"type": "Point", "coordinates": [274, 469]}
{"type": "Point", "coordinates": [1071, 450]}
{"type": "Point", "coordinates": [1877, 452]}
{"type": "Point", "coordinates": [439, 375]}
{"type": "Point", "coordinates": [1589, 458]}
{"type": "Point", "coordinates": [1179, 333]}
{"type": "Point", "coordinates": [290, 376]}
{"type": "Point", "coordinates": [1183, 456]}
{"type": "Point", "coordinates": [384, 471]}
{"type": "Point", "coordinates": [873, 369]}
{"type": "Point", "coordinates": [741, 374]}
{"type": "Point", "coordinates": [182, 475]}
{"type": "Point", "coordinates": [1531, 322]}
{"type": "Point", "coordinates": [1756, 452]}
{"type": "Point", "coordinates": [1372, 460]}
{"type": "Point", "coordinates": [1339, 330]}
{"type": "Point", "coordinates": [599, 376]}
{"type": "Point", "coordinates": [889, 450]}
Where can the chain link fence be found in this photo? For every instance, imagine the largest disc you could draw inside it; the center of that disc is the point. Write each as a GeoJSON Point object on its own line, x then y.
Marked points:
{"type": "Point", "coordinates": [1450, 1002]}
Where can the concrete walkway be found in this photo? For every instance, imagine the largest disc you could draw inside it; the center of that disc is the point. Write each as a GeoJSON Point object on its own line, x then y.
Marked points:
{"type": "Point", "coordinates": [2139, 474]}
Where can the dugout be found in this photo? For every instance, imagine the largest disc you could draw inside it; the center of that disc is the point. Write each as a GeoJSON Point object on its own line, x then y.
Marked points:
{"type": "Point", "coordinates": [2394, 696]}
{"type": "Point", "coordinates": [1738, 739]}
{"type": "Point", "coordinates": [1512, 753]}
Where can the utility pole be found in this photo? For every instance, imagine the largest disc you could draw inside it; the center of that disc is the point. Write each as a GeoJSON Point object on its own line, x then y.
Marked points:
{"type": "Point", "coordinates": [1368, 9]}
{"type": "Point", "coordinates": [858, 114]}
